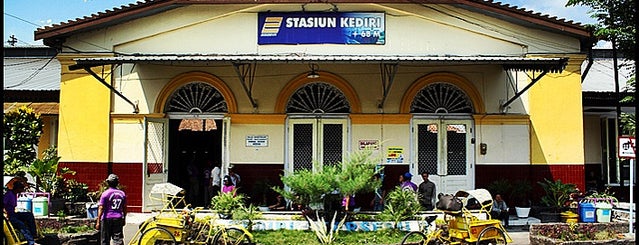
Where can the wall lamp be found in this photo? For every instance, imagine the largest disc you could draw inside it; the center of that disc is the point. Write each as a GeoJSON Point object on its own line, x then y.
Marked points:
{"type": "Point", "coordinates": [313, 73]}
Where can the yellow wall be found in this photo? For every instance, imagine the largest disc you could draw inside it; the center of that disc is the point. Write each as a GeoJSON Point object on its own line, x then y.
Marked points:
{"type": "Point", "coordinates": [47, 136]}
{"type": "Point", "coordinates": [84, 115]}
{"type": "Point", "coordinates": [556, 117]}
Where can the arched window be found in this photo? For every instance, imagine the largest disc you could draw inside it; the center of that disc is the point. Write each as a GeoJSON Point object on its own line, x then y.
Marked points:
{"type": "Point", "coordinates": [318, 98]}
{"type": "Point", "coordinates": [441, 98]}
{"type": "Point", "coordinates": [196, 97]}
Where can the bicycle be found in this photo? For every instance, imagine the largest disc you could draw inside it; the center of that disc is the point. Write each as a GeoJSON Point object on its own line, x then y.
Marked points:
{"type": "Point", "coordinates": [171, 226]}
{"type": "Point", "coordinates": [463, 227]}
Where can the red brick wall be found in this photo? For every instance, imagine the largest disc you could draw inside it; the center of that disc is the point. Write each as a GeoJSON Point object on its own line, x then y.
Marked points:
{"type": "Point", "coordinates": [485, 174]}
{"type": "Point", "coordinates": [93, 174]}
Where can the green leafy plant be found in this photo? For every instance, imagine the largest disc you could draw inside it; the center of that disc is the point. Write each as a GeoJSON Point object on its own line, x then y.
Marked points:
{"type": "Point", "coordinates": [247, 215]}
{"type": "Point", "coordinates": [354, 175]}
{"type": "Point", "coordinates": [22, 130]}
{"type": "Point", "coordinates": [324, 234]}
{"type": "Point", "coordinates": [49, 177]}
{"type": "Point", "coordinates": [74, 191]}
{"type": "Point", "coordinates": [557, 193]}
{"type": "Point", "coordinates": [520, 193]}
{"type": "Point", "coordinates": [400, 205]}
{"type": "Point", "coordinates": [500, 186]}
{"type": "Point", "coordinates": [225, 203]}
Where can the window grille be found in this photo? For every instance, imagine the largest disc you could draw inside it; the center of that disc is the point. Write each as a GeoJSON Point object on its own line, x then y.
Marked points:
{"type": "Point", "coordinates": [441, 98]}
{"type": "Point", "coordinates": [197, 96]}
{"type": "Point", "coordinates": [318, 97]}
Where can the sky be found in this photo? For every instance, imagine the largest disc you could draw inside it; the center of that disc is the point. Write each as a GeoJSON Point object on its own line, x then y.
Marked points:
{"type": "Point", "coordinates": [23, 17]}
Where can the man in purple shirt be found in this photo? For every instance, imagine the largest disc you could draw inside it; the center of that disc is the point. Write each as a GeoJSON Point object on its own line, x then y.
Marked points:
{"type": "Point", "coordinates": [111, 213]}
{"type": "Point", "coordinates": [23, 221]}
{"type": "Point", "coordinates": [406, 184]}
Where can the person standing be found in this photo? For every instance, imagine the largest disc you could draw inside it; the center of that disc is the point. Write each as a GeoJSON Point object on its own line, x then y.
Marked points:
{"type": "Point", "coordinates": [111, 213]}
{"type": "Point", "coordinates": [216, 180]}
{"type": "Point", "coordinates": [378, 201]}
{"type": "Point", "coordinates": [426, 191]}
{"type": "Point", "coordinates": [406, 184]}
{"type": "Point", "coordinates": [235, 178]}
{"type": "Point", "coordinates": [23, 221]}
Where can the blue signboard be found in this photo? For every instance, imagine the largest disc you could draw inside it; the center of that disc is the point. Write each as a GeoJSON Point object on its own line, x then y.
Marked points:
{"type": "Point", "coordinates": [321, 27]}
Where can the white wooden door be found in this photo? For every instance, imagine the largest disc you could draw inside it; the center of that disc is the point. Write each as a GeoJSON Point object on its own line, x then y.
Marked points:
{"type": "Point", "coordinates": [443, 149]}
{"type": "Point", "coordinates": [155, 167]}
{"type": "Point", "coordinates": [316, 140]}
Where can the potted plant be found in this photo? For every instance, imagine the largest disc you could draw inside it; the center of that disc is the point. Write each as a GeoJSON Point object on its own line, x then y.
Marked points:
{"type": "Point", "coordinates": [557, 198]}
{"type": "Point", "coordinates": [519, 196]}
{"type": "Point", "coordinates": [225, 203]}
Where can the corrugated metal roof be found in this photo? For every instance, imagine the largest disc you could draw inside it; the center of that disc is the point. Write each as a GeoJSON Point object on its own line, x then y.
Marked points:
{"type": "Point", "coordinates": [31, 73]}
{"type": "Point", "coordinates": [514, 63]}
{"type": "Point", "coordinates": [48, 108]}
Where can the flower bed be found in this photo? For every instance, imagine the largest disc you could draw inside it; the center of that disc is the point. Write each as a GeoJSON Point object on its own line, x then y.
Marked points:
{"type": "Point", "coordinates": [579, 233]}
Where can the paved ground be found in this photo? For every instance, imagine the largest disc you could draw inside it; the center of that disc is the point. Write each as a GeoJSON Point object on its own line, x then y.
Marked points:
{"type": "Point", "coordinates": [133, 220]}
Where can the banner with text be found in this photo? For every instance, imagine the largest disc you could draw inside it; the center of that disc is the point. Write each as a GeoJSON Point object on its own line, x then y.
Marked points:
{"type": "Point", "coordinates": [321, 27]}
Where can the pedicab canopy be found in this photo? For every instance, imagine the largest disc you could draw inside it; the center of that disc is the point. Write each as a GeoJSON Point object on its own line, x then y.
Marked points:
{"type": "Point", "coordinates": [483, 196]}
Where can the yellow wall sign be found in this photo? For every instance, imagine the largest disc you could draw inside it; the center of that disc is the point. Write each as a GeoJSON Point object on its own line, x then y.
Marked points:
{"type": "Point", "coordinates": [395, 155]}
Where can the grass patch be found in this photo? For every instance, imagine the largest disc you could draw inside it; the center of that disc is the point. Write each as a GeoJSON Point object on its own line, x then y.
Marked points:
{"type": "Point", "coordinates": [294, 237]}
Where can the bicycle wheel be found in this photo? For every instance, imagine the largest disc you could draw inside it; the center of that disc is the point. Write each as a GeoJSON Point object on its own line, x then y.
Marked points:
{"type": "Point", "coordinates": [491, 236]}
{"type": "Point", "coordinates": [156, 236]}
{"type": "Point", "coordinates": [414, 237]}
{"type": "Point", "coordinates": [232, 236]}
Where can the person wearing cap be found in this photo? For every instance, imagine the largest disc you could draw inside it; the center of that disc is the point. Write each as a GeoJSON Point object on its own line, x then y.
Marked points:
{"type": "Point", "coordinates": [23, 221]}
{"type": "Point", "coordinates": [111, 213]}
{"type": "Point", "coordinates": [406, 184]}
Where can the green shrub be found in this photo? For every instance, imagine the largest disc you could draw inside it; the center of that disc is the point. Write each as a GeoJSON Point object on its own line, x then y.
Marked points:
{"type": "Point", "coordinates": [400, 205]}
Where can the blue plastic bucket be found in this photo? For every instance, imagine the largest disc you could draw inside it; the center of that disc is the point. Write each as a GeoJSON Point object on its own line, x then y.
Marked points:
{"type": "Point", "coordinates": [24, 204]}
{"type": "Point", "coordinates": [587, 212]}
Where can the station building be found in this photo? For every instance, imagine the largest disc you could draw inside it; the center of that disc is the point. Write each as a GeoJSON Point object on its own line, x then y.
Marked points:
{"type": "Point", "coordinates": [469, 91]}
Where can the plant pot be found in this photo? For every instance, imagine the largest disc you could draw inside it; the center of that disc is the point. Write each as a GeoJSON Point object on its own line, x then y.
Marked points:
{"type": "Point", "coordinates": [522, 212]}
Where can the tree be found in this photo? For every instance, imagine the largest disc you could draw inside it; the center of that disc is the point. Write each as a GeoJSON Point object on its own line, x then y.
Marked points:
{"type": "Point", "coordinates": [23, 128]}
{"type": "Point", "coordinates": [617, 24]}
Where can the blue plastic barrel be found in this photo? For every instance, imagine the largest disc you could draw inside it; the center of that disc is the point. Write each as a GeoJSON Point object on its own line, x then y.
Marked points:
{"type": "Point", "coordinates": [587, 212]}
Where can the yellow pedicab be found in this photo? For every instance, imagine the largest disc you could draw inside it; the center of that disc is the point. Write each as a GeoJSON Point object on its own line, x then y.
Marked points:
{"type": "Point", "coordinates": [464, 226]}
{"type": "Point", "coordinates": [176, 225]}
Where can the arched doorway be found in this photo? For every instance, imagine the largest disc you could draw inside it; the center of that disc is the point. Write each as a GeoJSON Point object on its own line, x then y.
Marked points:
{"type": "Point", "coordinates": [318, 121]}
{"type": "Point", "coordinates": [196, 111]}
{"type": "Point", "coordinates": [193, 106]}
{"type": "Point", "coordinates": [442, 130]}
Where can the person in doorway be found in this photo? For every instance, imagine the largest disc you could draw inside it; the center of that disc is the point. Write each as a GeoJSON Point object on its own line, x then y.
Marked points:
{"type": "Point", "coordinates": [426, 191]}
{"type": "Point", "coordinates": [228, 185]}
{"type": "Point", "coordinates": [280, 204]}
{"type": "Point", "coordinates": [406, 183]}
{"type": "Point", "coordinates": [378, 200]}
{"type": "Point", "coordinates": [348, 203]}
{"type": "Point", "coordinates": [235, 178]}
{"type": "Point", "coordinates": [500, 210]}
{"type": "Point", "coordinates": [111, 213]}
{"type": "Point", "coordinates": [216, 179]}
{"type": "Point", "coordinates": [208, 188]}
{"type": "Point", "coordinates": [194, 180]}
{"type": "Point", "coordinates": [23, 221]}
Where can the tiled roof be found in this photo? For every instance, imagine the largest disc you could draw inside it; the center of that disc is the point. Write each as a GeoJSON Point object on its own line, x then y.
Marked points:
{"type": "Point", "coordinates": [31, 73]}
{"type": "Point", "coordinates": [50, 108]}
{"type": "Point", "coordinates": [147, 7]}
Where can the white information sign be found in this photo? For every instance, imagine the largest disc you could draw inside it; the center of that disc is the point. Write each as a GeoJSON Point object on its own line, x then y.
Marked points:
{"type": "Point", "coordinates": [626, 147]}
{"type": "Point", "coordinates": [257, 140]}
